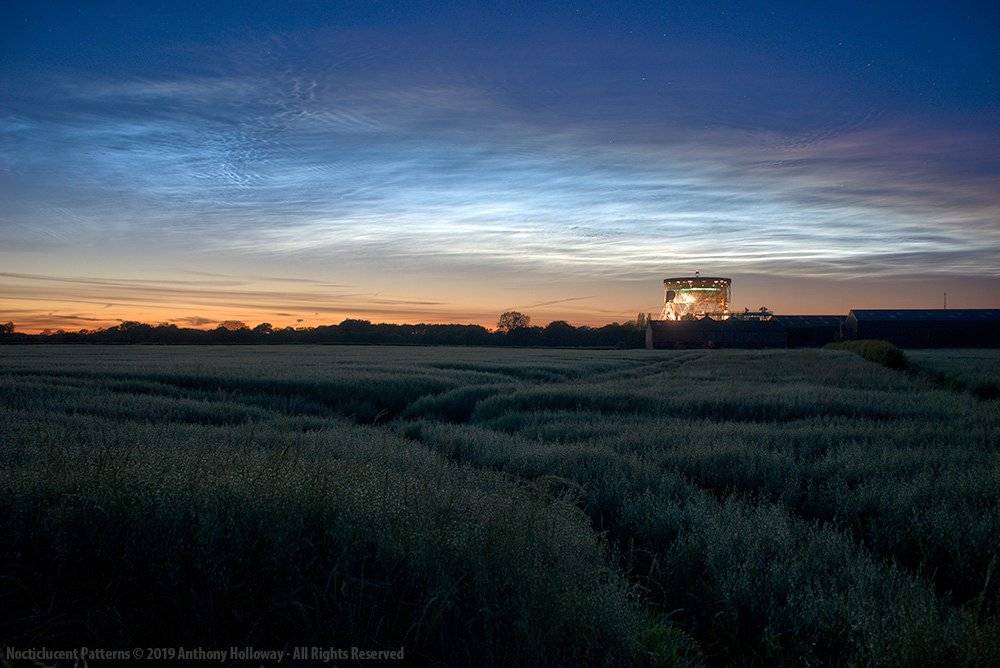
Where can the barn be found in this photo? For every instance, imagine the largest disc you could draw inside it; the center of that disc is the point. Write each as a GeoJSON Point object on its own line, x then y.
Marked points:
{"type": "Point", "coordinates": [927, 328]}
{"type": "Point", "coordinates": [812, 330]}
{"type": "Point", "coordinates": [709, 333]}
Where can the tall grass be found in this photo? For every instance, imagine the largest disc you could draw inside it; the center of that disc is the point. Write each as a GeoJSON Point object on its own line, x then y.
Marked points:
{"type": "Point", "coordinates": [975, 371]}
{"type": "Point", "coordinates": [136, 534]}
{"type": "Point", "coordinates": [510, 506]}
{"type": "Point", "coordinates": [874, 350]}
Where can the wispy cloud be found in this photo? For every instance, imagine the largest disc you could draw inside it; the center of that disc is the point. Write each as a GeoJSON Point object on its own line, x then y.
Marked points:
{"type": "Point", "coordinates": [846, 203]}
{"type": "Point", "coordinates": [195, 321]}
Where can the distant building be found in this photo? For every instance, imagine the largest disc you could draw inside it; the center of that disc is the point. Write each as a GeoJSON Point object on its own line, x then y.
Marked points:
{"type": "Point", "coordinates": [927, 328]}
{"type": "Point", "coordinates": [812, 330]}
{"type": "Point", "coordinates": [696, 314]}
{"type": "Point", "coordinates": [709, 333]}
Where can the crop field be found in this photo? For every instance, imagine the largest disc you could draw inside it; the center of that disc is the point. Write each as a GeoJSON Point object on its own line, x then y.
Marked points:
{"type": "Point", "coordinates": [498, 506]}
{"type": "Point", "coordinates": [977, 371]}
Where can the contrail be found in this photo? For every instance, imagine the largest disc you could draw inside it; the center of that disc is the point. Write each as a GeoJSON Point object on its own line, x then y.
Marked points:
{"type": "Point", "coordinates": [559, 301]}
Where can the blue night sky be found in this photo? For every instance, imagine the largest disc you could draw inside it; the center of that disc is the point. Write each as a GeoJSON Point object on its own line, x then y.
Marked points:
{"type": "Point", "coordinates": [302, 162]}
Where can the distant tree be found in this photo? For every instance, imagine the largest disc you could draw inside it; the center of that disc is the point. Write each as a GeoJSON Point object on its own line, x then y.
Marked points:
{"type": "Point", "coordinates": [516, 331]}
{"type": "Point", "coordinates": [6, 328]}
{"type": "Point", "coordinates": [128, 325]}
{"type": "Point", "coordinates": [355, 325]}
{"type": "Point", "coordinates": [511, 320]}
{"type": "Point", "coordinates": [560, 333]}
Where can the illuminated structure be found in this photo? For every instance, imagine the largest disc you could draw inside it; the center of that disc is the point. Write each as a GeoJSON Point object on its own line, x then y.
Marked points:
{"type": "Point", "coordinates": [694, 297]}
{"type": "Point", "coordinates": [696, 314]}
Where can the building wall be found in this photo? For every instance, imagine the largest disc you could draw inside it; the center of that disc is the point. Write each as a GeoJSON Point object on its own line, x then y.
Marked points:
{"type": "Point", "coordinates": [709, 333]}
{"type": "Point", "coordinates": [917, 331]}
{"type": "Point", "coordinates": [928, 334]}
{"type": "Point", "coordinates": [804, 337]}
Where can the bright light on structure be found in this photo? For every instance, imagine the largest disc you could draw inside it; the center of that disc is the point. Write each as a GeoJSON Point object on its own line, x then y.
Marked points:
{"type": "Point", "coordinates": [690, 297]}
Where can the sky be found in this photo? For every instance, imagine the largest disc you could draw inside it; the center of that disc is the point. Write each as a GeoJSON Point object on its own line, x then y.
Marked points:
{"type": "Point", "coordinates": [304, 162]}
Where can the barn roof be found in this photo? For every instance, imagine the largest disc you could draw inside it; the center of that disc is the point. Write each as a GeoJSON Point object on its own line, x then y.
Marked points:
{"type": "Point", "coordinates": [936, 314]}
{"type": "Point", "coordinates": [709, 323]}
{"type": "Point", "coordinates": [811, 320]}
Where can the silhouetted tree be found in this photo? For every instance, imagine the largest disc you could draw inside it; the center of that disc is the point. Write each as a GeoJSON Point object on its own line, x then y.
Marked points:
{"type": "Point", "coordinates": [523, 336]}
{"type": "Point", "coordinates": [559, 333]}
{"type": "Point", "coordinates": [355, 325]}
{"type": "Point", "coordinates": [511, 320]}
{"type": "Point", "coordinates": [520, 333]}
{"type": "Point", "coordinates": [6, 328]}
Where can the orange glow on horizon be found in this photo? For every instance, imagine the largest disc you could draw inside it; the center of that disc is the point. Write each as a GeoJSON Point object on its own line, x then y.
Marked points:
{"type": "Point", "coordinates": [38, 302]}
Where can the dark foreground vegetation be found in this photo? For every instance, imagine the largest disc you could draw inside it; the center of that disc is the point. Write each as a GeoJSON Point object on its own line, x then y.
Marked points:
{"type": "Point", "coordinates": [880, 352]}
{"type": "Point", "coordinates": [496, 506]}
{"type": "Point", "coordinates": [975, 371]}
{"type": "Point", "coordinates": [961, 370]}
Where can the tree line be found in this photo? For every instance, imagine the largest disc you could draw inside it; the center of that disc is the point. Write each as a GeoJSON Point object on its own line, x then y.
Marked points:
{"type": "Point", "coordinates": [513, 329]}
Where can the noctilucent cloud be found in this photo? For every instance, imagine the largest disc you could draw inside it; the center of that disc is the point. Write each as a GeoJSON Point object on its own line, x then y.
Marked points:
{"type": "Point", "coordinates": [299, 163]}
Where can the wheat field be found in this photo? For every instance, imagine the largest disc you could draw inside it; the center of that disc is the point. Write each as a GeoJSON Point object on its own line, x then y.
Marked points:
{"type": "Point", "coordinates": [500, 506]}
